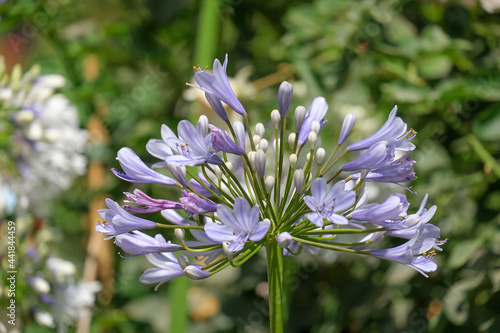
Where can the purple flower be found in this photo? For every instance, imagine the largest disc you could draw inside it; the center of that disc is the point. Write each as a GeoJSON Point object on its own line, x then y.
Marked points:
{"type": "Point", "coordinates": [222, 142]}
{"type": "Point", "coordinates": [193, 204]}
{"type": "Point", "coordinates": [138, 243]}
{"type": "Point", "coordinates": [173, 217]}
{"type": "Point", "coordinates": [217, 106]}
{"type": "Point", "coordinates": [239, 129]}
{"type": "Point", "coordinates": [238, 226]}
{"type": "Point", "coordinates": [376, 156]}
{"type": "Point", "coordinates": [192, 148]}
{"type": "Point", "coordinates": [217, 85]}
{"type": "Point", "coordinates": [392, 208]}
{"type": "Point", "coordinates": [160, 148]}
{"type": "Point", "coordinates": [285, 93]}
{"type": "Point", "coordinates": [149, 204]}
{"type": "Point", "coordinates": [118, 221]}
{"type": "Point", "coordinates": [412, 253]}
{"type": "Point", "coordinates": [169, 267]}
{"type": "Point", "coordinates": [394, 131]}
{"type": "Point", "coordinates": [326, 204]}
{"type": "Point", "coordinates": [138, 172]}
{"type": "Point", "coordinates": [347, 126]}
{"type": "Point", "coordinates": [316, 112]}
{"type": "Point", "coordinates": [398, 171]}
{"type": "Point", "coordinates": [200, 189]}
{"type": "Point", "coordinates": [202, 239]}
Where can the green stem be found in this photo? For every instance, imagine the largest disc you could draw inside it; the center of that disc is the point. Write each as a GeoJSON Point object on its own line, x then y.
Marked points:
{"type": "Point", "coordinates": [178, 290]}
{"type": "Point", "coordinates": [275, 280]}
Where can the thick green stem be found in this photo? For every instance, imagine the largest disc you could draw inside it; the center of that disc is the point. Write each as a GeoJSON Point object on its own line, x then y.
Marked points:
{"type": "Point", "coordinates": [275, 279]}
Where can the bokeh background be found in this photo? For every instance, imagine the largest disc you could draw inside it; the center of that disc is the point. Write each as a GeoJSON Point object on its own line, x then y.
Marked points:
{"type": "Point", "coordinates": [127, 63]}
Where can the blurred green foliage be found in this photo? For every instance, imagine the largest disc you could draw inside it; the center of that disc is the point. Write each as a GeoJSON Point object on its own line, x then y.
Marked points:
{"type": "Point", "coordinates": [439, 61]}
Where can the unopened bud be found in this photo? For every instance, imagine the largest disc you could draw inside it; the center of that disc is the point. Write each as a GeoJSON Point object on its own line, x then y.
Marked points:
{"type": "Point", "coordinates": [260, 130]}
{"type": "Point", "coordinates": [226, 251]}
{"type": "Point", "coordinates": [315, 127]}
{"type": "Point", "coordinates": [275, 118]}
{"type": "Point", "coordinates": [320, 155]}
{"type": "Point", "coordinates": [25, 117]}
{"type": "Point", "coordinates": [181, 235]}
{"type": "Point", "coordinates": [347, 126]}
{"type": "Point", "coordinates": [203, 122]}
{"type": "Point", "coordinates": [251, 157]}
{"type": "Point", "coordinates": [285, 93]}
{"type": "Point", "coordinates": [284, 239]}
{"type": "Point", "coordinates": [293, 160]}
{"type": "Point", "coordinates": [229, 165]}
{"type": "Point", "coordinates": [260, 163]}
{"type": "Point", "coordinates": [218, 172]}
{"type": "Point", "coordinates": [298, 180]}
{"type": "Point", "coordinates": [291, 140]}
{"type": "Point", "coordinates": [256, 139]}
{"type": "Point", "coordinates": [263, 144]}
{"type": "Point", "coordinates": [183, 261]}
{"type": "Point", "coordinates": [312, 138]}
{"type": "Point", "coordinates": [308, 156]}
{"type": "Point", "coordinates": [269, 183]}
{"type": "Point", "coordinates": [300, 114]}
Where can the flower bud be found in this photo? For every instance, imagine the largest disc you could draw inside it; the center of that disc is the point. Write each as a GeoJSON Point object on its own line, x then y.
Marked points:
{"type": "Point", "coordinates": [260, 130]}
{"type": "Point", "coordinates": [256, 139]}
{"type": "Point", "coordinates": [269, 183]}
{"type": "Point", "coordinates": [315, 127]}
{"type": "Point", "coordinates": [308, 156]}
{"type": "Point", "coordinates": [251, 157]}
{"type": "Point", "coordinates": [347, 126]}
{"type": "Point", "coordinates": [183, 260]}
{"type": "Point", "coordinates": [218, 172]}
{"type": "Point", "coordinates": [284, 239]}
{"type": "Point", "coordinates": [312, 138]}
{"type": "Point", "coordinates": [275, 118]}
{"type": "Point", "coordinates": [229, 165]}
{"type": "Point", "coordinates": [291, 140]}
{"type": "Point", "coordinates": [260, 163]}
{"type": "Point", "coordinates": [263, 144]}
{"type": "Point", "coordinates": [195, 273]}
{"type": "Point", "coordinates": [181, 236]}
{"type": "Point", "coordinates": [293, 160]}
{"type": "Point", "coordinates": [39, 285]}
{"type": "Point", "coordinates": [320, 155]}
{"type": "Point", "coordinates": [25, 117]}
{"type": "Point", "coordinates": [203, 122]}
{"type": "Point", "coordinates": [226, 251]}
{"type": "Point", "coordinates": [298, 180]}
{"type": "Point", "coordinates": [285, 93]}
{"type": "Point", "coordinates": [239, 130]}
{"type": "Point", "coordinates": [300, 114]}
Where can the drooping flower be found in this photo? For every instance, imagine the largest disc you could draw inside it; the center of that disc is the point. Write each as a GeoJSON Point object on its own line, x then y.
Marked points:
{"type": "Point", "coordinates": [378, 155]}
{"type": "Point", "coordinates": [118, 221]}
{"type": "Point", "coordinates": [136, 171]}
{"type": "Point", "coordinates": [193, 204]}
{"type": "Point", "coordinates": [238, 226]}
{"type": "Point", "coordinates": [392, 208]}
{"type": "Point", "coordinates": [326, 204]}
{"type": "Point", "coordinates": [149, 205]}
{"type": "Point", "coordinates": [397, 172]}
{"type": "Point", "coordinates": [222, 142]}
{"type": "Point", "coordinates": [138, 243]}
{"type": "Point", "coordinates": [169, 267]}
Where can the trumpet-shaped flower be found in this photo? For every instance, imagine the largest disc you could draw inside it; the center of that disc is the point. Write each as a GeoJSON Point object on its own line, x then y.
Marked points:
{"type": "Point", "coordinates": [138, 243]}
{"type": "Point", "coordinates": [316, 113]}
{"type": "Point", "coordinates": [238, 226]}
{"type": "Point", "coordinates": [149, 205]}
{"type": "Point", "coordinates": [326, 204]}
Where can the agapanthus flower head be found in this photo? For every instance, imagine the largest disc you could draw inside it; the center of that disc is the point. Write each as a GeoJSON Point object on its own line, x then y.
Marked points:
{"type": "Point", "coordinates": [252, 192]}
{"type": "Point", "coordinates": [43, 150]}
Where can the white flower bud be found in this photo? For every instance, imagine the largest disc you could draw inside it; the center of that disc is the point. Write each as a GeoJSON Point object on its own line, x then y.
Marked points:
{"type": "Point", "coordinates": [312, 138]}
{"type": "Point", "coordinates": [300, 114]}
{"type": "Point", "coordinates": [226, 251]}
{"type": "Point", "coordinates": [275, 118]}
{"type": "Point", "coordinates": [308, 156]}
{"type": "Point", "coordinates": [260, 130]}
{"type": "Point", "coordinates": [298, 180]}
{"type": "Point", "coordinates": [269, 183]}
{"type": "Point", "coordinates": [229, 165]}
{"type": "Point", "coordinates": [256, 139]}
{"type": "Point", "coordinates": [25, 117]}
{"type": "Point", "coordinates": [35, 131]}
{"type": "Point", "coordinates": [251, 157]}
{"type": "Point", "coordinates": [51, 135]}
{"type": "Point", "coordinates": [320, 155]}
{"type": "Point", "coordinates": [181, 235]}
{"type": "Point", "coordinates": [39, 285]}
{"type": "Point", "coordinates": [291, 140]}
{"type": "Point", "coordinates": [315, 127]}
{"type": "Point", "coordinates": [44, 318]}
{"type": "Point", "coordinates": [260, 163]}
{"type": "Point", "coordinates": [264, 145]}
{"type": "Point", "coordinates": [203, 122]}
{"type": "Point", "coordinates": [218, 172]}
{"type": "Point", "coordinates": [293, 160]}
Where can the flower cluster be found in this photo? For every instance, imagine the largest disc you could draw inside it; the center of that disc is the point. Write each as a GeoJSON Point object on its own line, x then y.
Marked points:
{"type": "Point", "coordinates": [41, 143]}
{"type": "Point", "coordinates": [258, 186]}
